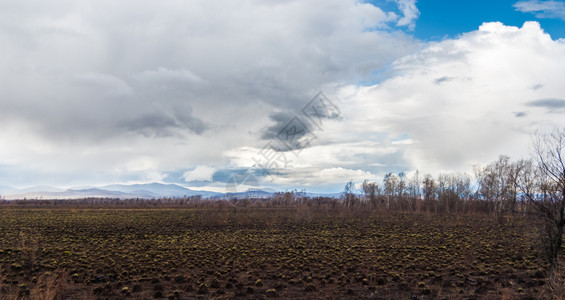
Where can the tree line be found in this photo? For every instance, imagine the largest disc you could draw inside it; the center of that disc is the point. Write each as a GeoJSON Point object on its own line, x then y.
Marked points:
{"type": "Point", "coordinates": [492, 189]}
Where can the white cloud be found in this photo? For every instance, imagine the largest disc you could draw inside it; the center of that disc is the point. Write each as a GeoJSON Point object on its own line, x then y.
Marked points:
{"type": "Point", "coordinates": [141, 163]}
{"type": "Point", "coordinates": [410, 13]}
{"type": "Point", "coordinates": [455, 101]}
{"type": "Point", "coordinates": [542, 9]}
{"type": "Point", "coordinates": [200, 173]}
{"type": "Point", "coordinates": [403, 142]}
{"type": "Point", "coordinates": [312, 178]}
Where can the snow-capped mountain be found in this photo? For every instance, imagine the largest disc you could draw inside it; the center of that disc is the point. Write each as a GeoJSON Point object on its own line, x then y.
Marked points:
{"type": "Point", "coordinates": [122, 191]}
{"type": "Point", "coordinates": [129, 191]}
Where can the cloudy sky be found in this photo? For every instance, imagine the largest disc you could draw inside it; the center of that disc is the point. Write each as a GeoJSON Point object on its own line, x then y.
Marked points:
{"type": "Point", "coordinates": [201, 92]}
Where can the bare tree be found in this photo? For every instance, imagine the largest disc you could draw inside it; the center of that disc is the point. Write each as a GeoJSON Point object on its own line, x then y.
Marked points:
{"type": "Point", "coordinates": [479, 173]}
{"type": "Point", "coordinates": [429, 187]}
{"type": "Point", "coordinates": [414, 190]}
{"type": "Point", "coordinates": [445, 193]}
{"type": "Point", "coordinates": [496, 184]}
{"type": "Point", "coordinates": [371, 190]}
{"type": "Point", "coordinates": [391, 183]}
{"type": "Point", "coordinates": [349, 197]}
{"type": "Point", "coordinates": [518, 167]}
{"type": "Point", "coordinates": [502, 170]}
{"type": "Point", "coordinates": [463, 188]}
{"type": "Point", "coordinates": [463, 185]}
{"type": "Point", "coordinates": [401, 187]}
{"type": "Point", "coordinates": [544, 187]}
{"type": "Point", "coordinates": [414, 185]}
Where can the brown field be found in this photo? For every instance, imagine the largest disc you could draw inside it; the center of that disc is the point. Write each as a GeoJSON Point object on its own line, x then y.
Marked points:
{"type": "Point", "coordinates": [295, 252]}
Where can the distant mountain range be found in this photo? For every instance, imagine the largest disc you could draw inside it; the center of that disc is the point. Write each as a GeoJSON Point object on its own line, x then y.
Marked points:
{"type": "Point", "coordinates": [143, 191]}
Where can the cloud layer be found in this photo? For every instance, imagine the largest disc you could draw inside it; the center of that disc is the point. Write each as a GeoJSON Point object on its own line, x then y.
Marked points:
{"type": "Point", "coordinates": [455, 103]}
{"type": "Point", "coordinates": [105, 92]}
{"type": "Point", "coordinates": [89, 91]}
{"type": "Point", "coordinates": [464, 101]}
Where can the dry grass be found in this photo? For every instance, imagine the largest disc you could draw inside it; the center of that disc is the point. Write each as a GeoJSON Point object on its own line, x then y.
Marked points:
{"type": "Point", "coordinates": [302, 251]}
{"type": "Point", "coordinates": [50, 286]}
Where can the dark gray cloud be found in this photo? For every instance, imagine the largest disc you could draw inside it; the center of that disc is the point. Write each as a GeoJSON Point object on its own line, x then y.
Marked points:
{"type": "Point", "coordinates": [520, 114]}
{"type": "Point", "coordinates": [279, 121]}
{"type": "Point", "coordinates": [551, 104]}
{"type": "Point", "coordinates": [296, 130]}
{"type": "Point", "coordinates": [311, 116]}
{"type": "Point", "coordinates": [443, 79]}
{"type": "Point", "coordinates": [289, 131]}
{"type": "Point", "coordinates": [165, 125]}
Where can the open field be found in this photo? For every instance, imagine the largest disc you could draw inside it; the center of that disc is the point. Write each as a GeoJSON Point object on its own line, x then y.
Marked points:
{"type": "Point", "coordinates": [295, 252]}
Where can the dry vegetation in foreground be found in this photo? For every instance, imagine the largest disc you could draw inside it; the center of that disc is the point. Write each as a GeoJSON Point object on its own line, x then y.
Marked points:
{"type": "Point", "coordinates": [306, 251]}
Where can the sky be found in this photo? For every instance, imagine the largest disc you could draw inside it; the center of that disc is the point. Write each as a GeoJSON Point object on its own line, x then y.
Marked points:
{"type": "Point", "coordinates": [217, 95]}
